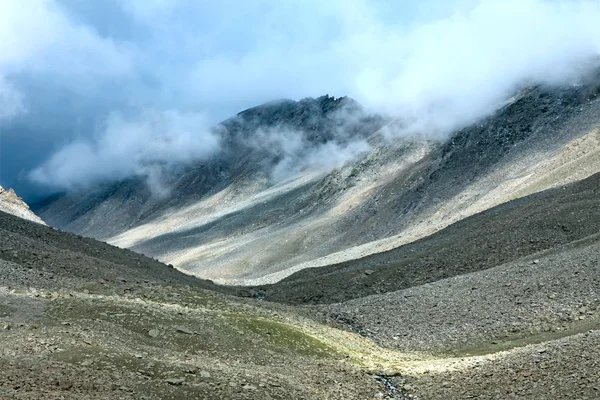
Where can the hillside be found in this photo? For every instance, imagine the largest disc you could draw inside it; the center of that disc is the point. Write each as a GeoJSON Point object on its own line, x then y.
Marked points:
{"type": "Point", "coordinates": [527, 326]}
{"type": "Point", "coordinates": [546, 221]}
{"type": "Point", "coordinates": [13, 204]}
{"type": "Point", "coordinates": [230, 221]}
{"type": "Point", "coordinates": [445, 270]}
{"type": "Point", "coordinates": [72, 307]}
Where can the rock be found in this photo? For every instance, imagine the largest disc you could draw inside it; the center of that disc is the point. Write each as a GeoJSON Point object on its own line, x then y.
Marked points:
{"type": "Point", "coordinates": [536, 261]}
{"type": "Point", "coordinates": [204, 374]}
{"type": "Point", "coordinates": [65, 385]}
{"type": "Point", "coordinates": [6, 327]}
{"type": "Point", "coordinates": [551, 296]}
{"type": "Point", "coordinates": [249, 387]}
{"type": "Point", "coordinates": [87, 363]}
{"type": "Point", "coordinates": [175, 381]}
{"type": "Point", "coordinates": [369, 272]}
{"type": "Point", "coordinates": [121, 279]}
{"type": "Point", "coordinates": [153, 333]}
{"type": "Point", "coordinates": [182, 329]}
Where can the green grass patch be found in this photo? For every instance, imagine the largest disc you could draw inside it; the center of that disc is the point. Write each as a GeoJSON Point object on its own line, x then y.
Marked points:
{"type": "Point", "coordinates": [283, 336]}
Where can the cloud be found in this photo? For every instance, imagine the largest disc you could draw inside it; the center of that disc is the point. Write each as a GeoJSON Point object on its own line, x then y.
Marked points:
{"type": "Point", "coordinates": [37, 38]}
{"type": "Point", "coordinates": [435, 64]}
{"type": "Point", "coordinates": [148, 146]}
{"type": "Point", "coordinates": [456, 69]}
{"type": "Point", "coordinates": [296, 154]}
{"type": "Point", "coordinates": [11, 100]}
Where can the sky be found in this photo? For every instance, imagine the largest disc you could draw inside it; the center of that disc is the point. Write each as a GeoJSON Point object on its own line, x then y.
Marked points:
{"type": "Point", "coordinates": [94, 90]}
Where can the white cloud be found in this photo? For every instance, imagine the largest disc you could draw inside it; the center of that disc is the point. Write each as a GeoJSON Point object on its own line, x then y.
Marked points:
{"type": "Point", "coordinates": [297, 154]}
{"type": "Point", "coordinates": [37, 37]}
{"type": "Point", "coordinates": [437, 64]}
{"type": "Point", "coordinates": [438, 73]}
{"type": "Point", "coordinates": [454, 70]}
{"type": "Point", "coordinates": [147, 146]}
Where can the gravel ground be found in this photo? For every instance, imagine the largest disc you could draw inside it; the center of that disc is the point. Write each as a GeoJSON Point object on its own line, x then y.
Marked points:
{"type": "Point", "coordinates": [568, 368]}
{"type": "Point", "coordinates": [548, 295]}
{"type": "Point", "coordinates": [80, 319]}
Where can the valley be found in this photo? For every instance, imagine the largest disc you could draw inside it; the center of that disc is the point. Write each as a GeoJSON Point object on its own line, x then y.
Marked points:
{"type": "Point", "coordinates": [423, 269]}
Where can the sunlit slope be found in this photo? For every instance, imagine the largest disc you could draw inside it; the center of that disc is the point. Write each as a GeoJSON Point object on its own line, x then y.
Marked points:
{"type": "Point", "coordinates": [84, 320]}
{"type": "Point", "coordinates": [400, 192]}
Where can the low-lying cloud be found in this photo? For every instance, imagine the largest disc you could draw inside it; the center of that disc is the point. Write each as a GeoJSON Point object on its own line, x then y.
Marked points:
{"type": "Point", "coordinates": [147, 146]}
{"type": "Point", "coordinates": [296, 154]}
{"type": "Point", "coordinates": [455, 70]}
{"type": "Point", "coordinates": [435, 64]}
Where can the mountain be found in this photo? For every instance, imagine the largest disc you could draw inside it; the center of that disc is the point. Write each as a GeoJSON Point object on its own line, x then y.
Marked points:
{"type": "Point", "coordinates": [245, 161]}
{"type": "Point", "coordinates": [13, 204]}
{"type": "Point", "coordinates": [503, 303]}
{"type": "Point", "coordinates": [412, 267]}
{"type": "Point", "coordinates": [229, 220]}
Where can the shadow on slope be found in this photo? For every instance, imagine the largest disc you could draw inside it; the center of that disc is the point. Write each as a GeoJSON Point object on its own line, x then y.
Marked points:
{"type": "Point", "coordinates": [504, 233]}
{"type": "Point", "coordinates": [39, 247]}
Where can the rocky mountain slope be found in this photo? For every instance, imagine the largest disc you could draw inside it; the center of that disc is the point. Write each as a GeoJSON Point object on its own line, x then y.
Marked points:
{"type": "Point", "coordinates": [228, 220]}
{"type": "Point", "coordinates": [422, 269]}
{"type": "Point", "coordinates": [527, 326]}
{"type": "Point", "coordinates": [13, 204]}
{"type": "Point", "coordinates": [547, 221]}
{"type": "Point", "coordinates": [81, 319]}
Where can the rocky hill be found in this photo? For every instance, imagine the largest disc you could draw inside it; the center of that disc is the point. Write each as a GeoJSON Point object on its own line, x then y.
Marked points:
{"type": "Point", "coordinates": [13, 204]}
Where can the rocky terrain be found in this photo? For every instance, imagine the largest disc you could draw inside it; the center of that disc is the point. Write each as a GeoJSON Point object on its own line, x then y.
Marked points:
{"type": "Point", "coordinates": [546, 221]}
{"type": "Point", "coordinates": [525, 327]}
{"type": "Point", "coordinates": [418, 268]}
{"type": "Point", "coordinates": [82, 319]}
{"type": "Point", "coordinates": [232, 222]}
{"type": "Point", "coordinates": [13, 204]}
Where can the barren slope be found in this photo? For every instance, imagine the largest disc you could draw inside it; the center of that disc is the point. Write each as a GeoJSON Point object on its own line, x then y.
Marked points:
{"type": "Point", "coordinates": [13, 204]}
{"type": "Point", "coordinates": [508, 232]}
{"type": "Point", "coordinates": [84, 320]}
{"type": "Point", "coordinates": [238, 226]}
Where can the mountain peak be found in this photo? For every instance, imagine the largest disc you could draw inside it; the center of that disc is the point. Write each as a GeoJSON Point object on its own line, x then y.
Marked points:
{"type": "Point", "coordinates": [13, 204]}
{"type": "Point", "coordinates": [322, 105]}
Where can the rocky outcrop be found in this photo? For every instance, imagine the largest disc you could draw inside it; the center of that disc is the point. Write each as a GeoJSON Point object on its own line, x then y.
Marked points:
{"type": "Point", "coordinates": [13, 204]}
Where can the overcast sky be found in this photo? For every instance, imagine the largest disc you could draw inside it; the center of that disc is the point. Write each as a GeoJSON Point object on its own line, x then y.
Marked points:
{"type": "Point", "coordinates": [75, 75]}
